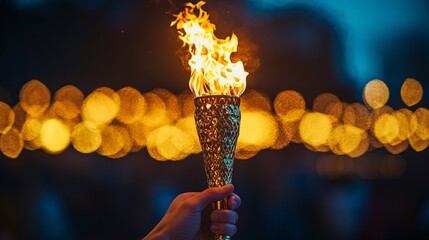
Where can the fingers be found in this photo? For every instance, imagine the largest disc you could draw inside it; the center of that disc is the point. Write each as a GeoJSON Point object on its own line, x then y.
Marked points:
{"type": "Point", "coordinates": [234, 201]}
{"type": "Point", "coordinates": [224, 216]}
{"type": "Point", "coordinates": [201, 200]}
{"type": "Point", "coordinates": [223, 228]}
{"type": "Point", "coordinates": [223, 222]}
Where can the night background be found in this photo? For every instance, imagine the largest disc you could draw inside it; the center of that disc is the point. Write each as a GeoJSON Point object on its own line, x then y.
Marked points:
{"type": "Point", "coordinates": [309, 46]}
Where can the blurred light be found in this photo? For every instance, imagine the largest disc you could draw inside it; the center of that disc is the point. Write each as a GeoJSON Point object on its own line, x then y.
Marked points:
{"type": "Point", "coordinates": [407, 123]}
{"type": "Point", "coordinates": [243, 153]}
{"type": "Point", "coordinates": [101, 106]}
{"type": "Point", "coordinates": [349, 115]}
{"type": "Point", "coordinates": [67, 102]}
{"type": "Point", "coordinates": [289, 105]}
{"type": "Point", "coordinates": [11, 143]}
{"type": "Point", "coordinates": [34, 98]}
{"type": "Point", "coordinates": [328, 103]}
{"type": "Point", "coordinates": [168, 142]}
{"type": "Point", "coordinates": [86, 137]}
{"type": "Point", "coordinates": [258, 130]}
{"type": "Point", "coordinates": [386, 128]}
{"type": "Point", "coordinates": [31, 129]}
{"type": "Point", "coordinates": [54, 135]}
{"type": "Point", "coordinates": [117, 123]}
{"type": "Point", "coordinates": [291, 129]}
{"type": "Point", "coordinates": [138, 133]}
{"type": "Point", "coordinates": [283, 136]}
{"type": "Point", "coordinates": [376, 94]}
{"type": "Point", "coordinates": [335, 109]}
{"type": "Point", "coordinates": [7, 117]}
{"type": "Point", "coordinates": [171, 103]}
{"type": "Point", "coordinates": [397, 148]}
{"type": "Point", "coordinates": [33, 144]}
{"type": "Point", "coordinates": [253, 100]}
{"type": "Point", "coordinates": [363, 146]}
{"type": "Point", "coordinates": [422, 129]}
{"type": "Point", "coordinates": [156, 114]}
{"type": "Point", "coordinates": [345, 139]}
{"type": "Point", "coordinates": [190, 142]}
{"type": "Point", "coordinates": [411, 92]}
{"type": "Point", "coordinates": [315, 128]}
{"type": "Point", "coordinates": [132, 107]}
{"type": "Point", "coordinates": [417, 143]}
{"type": "Point", "coordinates": [69, 93]}
{"type": "Point", "coordinates": [152, 148]}
{"type": "Point", "coordinates": [186, 102]}
{"type": "Point", "coordinates": [112, 141]}
{"type": "Point", "coordinates": [362, 116]}
{"type": "Point", "coordinates": [127, 140]}
{"type": "Point", "coordinates": [20, 116]}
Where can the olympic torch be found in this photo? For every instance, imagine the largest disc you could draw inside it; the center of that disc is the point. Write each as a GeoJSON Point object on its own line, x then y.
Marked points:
{"type": "Point", "coordinates": [217, 84]}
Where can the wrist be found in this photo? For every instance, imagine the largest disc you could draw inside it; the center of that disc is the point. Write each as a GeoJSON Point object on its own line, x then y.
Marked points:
{"type": "Point", "coordinates": [157, 234]}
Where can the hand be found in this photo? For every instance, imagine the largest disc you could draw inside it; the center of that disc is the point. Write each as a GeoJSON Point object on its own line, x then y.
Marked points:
{"type": "Point", "coordinates": [190, 216]}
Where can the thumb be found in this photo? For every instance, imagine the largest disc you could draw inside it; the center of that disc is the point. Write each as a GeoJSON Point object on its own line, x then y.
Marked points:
{"type": "Point", "coordinates": [212, 194]}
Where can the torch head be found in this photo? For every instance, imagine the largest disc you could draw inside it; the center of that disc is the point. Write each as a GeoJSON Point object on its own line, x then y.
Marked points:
{"type": "Point", "coordinates": [217, 119]}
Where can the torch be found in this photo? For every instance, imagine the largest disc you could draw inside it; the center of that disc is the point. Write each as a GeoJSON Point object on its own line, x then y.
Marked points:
{"type": "Point", "coordinates": [217, 84]}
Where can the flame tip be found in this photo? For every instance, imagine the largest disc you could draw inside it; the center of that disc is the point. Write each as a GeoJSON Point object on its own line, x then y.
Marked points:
{"type": "Point", "coordinates": [212, 71]}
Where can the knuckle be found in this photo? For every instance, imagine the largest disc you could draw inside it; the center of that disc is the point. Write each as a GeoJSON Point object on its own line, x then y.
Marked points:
{"type": "Point", "coordinates": [232, 229]}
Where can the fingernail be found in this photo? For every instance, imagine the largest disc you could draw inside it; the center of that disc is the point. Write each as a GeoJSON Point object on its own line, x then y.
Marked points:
{"type": "Point", "coordinates": [215, 216]}
{"type": "Point", "coordinates": [215, 228]}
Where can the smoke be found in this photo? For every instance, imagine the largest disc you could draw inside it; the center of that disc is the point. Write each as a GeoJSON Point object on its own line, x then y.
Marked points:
{"type": "Point", "coordinates": [247, 52]}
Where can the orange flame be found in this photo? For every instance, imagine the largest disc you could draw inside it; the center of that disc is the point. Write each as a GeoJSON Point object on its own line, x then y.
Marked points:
{"type": "Point", "coordinates": [212, 72]}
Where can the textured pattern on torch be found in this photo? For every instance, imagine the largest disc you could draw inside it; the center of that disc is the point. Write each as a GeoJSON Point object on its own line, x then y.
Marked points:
{"type": "Point", "coordinates": [217, 118]}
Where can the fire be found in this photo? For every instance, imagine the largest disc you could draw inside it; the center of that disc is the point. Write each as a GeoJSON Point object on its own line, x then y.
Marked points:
{"type": "Point", "coordinates": [212, 72]}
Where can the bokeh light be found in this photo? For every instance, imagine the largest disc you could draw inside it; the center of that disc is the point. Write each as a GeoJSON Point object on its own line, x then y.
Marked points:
{"type": "Point", "coordinates": [11, 143]}
{"type": "Point", "coordinates": [112, 141]}
{"type": "Point", "coordinates": [376, 94]}
{"type": "Point", "coordinates": [315, 128]}
{"type": "Point", "coordinates": [86, 137]}
{"type": "Point", "coordinates": [411, 92]}
{"type": "Point", "coordinates": [54, 135]}
{"type": "Point", "coordinates": [115, 123]}
{"type": "Point", "coordinates": [258, 131]}
{"type": "Point", "coordinates": [132, 105]}
{"type": "Point", "coordinates": [35, 98]}
{"type": "Point", "coordinates": [289, 105]}
{"type": "Point", "coordinates": [7, 117]}
{"type": "Point", "coordinates": [67, 102]}
{"type": "Point", "coordinates": [386, 128]}
{"type": "Point", "coordinates": [101, 106]}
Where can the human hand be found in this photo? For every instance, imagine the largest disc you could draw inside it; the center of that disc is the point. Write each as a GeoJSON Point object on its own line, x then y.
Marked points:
{"type": "Point", "coordinates": [190, 216]}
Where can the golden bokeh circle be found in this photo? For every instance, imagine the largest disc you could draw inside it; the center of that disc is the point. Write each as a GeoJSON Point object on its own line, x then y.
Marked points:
{"type": "Point", "coordinates": [86, 137]}
{"type": "Point", "coordinates": [11, 143]}
{"type": "Point", "coordinates": [7, 117]}
{"type": "Point", "coordinates": [411, 92]}
{"type": "Point", "coordinates": [289, 105]}
{"type": "Point", "coordinates": [376, 94]}
{"type": "Point", "coordinates": [54, 135]}
{"type": "Point", "coordinates": [315, 128]}
{"type": "Point", "coordinates": [34, 98]}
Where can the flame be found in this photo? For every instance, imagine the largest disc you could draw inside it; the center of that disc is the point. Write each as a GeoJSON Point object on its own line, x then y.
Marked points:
{"type": "Point", "coordinates": [212, 72]}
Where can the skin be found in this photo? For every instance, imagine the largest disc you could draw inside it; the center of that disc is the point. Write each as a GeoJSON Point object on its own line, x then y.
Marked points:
{"type": "Point", "coordinates": [190, 216]}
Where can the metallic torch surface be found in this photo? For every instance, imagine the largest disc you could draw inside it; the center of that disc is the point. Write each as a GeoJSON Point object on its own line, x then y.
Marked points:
{"type": "Point", "coordinates": [217, 118]}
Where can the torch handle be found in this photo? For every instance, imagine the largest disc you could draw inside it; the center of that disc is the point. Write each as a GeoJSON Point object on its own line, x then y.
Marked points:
{"type": "Point", "coordinates": [221, 204]}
